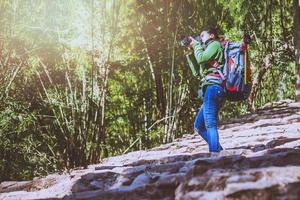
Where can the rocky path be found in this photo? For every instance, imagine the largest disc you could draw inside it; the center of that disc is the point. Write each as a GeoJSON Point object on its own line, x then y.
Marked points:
{"type": "Point", "coordinates": [261, 160]}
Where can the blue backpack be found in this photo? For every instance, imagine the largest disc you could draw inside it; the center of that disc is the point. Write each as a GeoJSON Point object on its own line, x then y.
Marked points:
{"type": "Point", "coordinates": [236, 71]}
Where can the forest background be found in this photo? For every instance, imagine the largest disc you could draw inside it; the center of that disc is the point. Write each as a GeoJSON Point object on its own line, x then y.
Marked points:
{"type": "Point", "coordinates": [81, 80]}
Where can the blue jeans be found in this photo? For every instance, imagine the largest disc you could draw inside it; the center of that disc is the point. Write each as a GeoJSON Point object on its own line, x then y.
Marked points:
{"type": "Point", "coordinates": [207, 117]}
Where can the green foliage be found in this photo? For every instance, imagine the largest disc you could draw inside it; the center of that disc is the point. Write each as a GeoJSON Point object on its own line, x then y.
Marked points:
{"type": "Point", "coordinates": [23, 148]}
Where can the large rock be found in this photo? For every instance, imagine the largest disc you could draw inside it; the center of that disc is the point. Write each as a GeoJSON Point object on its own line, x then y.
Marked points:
{"type": "Point", "coordinates": [261, 160]}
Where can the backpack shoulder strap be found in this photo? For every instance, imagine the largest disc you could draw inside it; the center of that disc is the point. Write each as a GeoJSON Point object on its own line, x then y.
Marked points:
{"type": "Point", "coordinates": [226, 48]}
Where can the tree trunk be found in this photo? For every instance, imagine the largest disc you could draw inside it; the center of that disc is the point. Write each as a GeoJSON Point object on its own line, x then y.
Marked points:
{"type": "Point", "coordinates": [297, 47]}
{"type": "Point", "coordinates": [258, 80]}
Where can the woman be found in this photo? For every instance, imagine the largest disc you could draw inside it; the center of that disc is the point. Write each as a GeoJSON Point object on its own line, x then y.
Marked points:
{"type": "Point", "coordinates": [208, 63]}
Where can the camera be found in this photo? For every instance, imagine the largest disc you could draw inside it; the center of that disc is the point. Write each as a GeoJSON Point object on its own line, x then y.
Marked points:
{"type": "Point", "coordinates": [186, 40]}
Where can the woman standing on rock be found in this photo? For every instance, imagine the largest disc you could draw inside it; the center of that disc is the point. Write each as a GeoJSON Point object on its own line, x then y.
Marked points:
{"type": "Point", "coordinates": [207, 61]}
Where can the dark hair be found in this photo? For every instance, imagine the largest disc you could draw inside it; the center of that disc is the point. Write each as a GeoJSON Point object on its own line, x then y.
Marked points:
{"type": "Point", "coordinates": [211, 30]}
